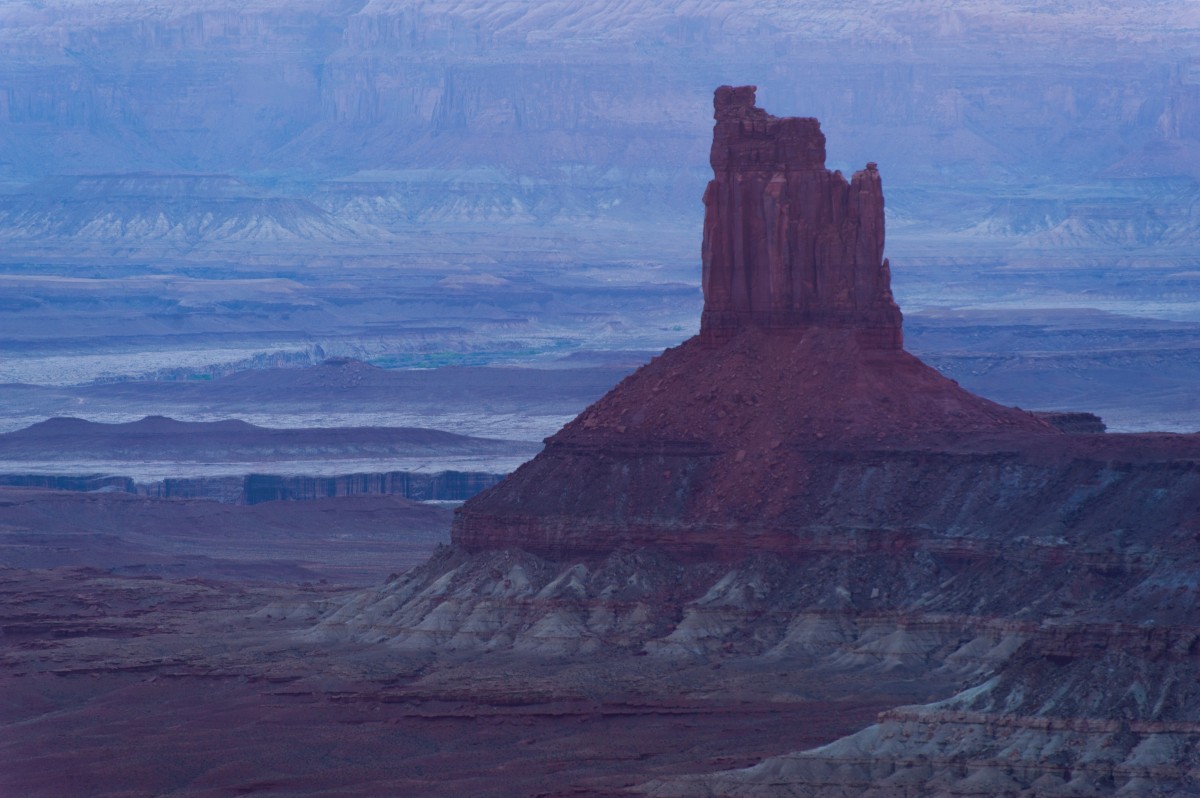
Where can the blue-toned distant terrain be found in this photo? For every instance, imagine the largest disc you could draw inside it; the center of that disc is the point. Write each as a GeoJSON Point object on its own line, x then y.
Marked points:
{"type": "Point", "coordinates": [187, 191]}
{"type": "Point", "coordinates": [282, 280]}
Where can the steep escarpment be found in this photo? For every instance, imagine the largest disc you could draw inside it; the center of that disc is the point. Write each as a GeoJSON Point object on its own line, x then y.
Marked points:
{"type": "Point", "coordinates": [792, 499]}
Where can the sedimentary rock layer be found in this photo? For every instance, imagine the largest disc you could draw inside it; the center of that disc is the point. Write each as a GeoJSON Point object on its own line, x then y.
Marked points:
{"type": "Point", "coordinates": [750, 445]}
{"type": "Point", "coordinates": [791, 490]}
{"type": "Point", "coordinates": [787, 243]}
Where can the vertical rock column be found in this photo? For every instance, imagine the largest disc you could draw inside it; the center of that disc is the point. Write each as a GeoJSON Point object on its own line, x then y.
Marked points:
{"type": "Point", "coordinates": [787, 243]}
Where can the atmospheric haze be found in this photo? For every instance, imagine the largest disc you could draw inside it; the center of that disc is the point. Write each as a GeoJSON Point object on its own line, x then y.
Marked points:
{"type": "Point", "coordinates": [191, 191]}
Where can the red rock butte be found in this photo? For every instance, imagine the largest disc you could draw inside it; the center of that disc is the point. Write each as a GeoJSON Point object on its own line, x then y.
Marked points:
{"type": "Point", "coordinates": [787, 243]}
{"type": "Point", "coordinates": [795, 415]}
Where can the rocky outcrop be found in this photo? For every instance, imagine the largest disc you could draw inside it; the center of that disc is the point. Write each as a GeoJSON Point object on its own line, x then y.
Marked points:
{"type": "Point", "coordinates": [722, 443]}
{"type": "Point", "coordinates": [791, 495]}
{"type": "Point", "coordinates": [787, 243]}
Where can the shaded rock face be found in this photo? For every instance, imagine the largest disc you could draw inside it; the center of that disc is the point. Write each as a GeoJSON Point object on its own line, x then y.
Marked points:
{"type": "Point", "coordinates": [259, 488]}
{"type": "Point", "coordinates": [441, 486]}
{"type": "Point", "coordinates": [787, 243]}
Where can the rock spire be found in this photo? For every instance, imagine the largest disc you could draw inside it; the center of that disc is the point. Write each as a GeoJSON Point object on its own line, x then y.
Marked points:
{"type": "Point", "coordinates": [787, 243]}
{"type": "Point", "coordinates": [797, 387]}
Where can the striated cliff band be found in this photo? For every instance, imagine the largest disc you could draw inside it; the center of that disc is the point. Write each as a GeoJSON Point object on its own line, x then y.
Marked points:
{"type": "Point", "coordinates": [795, 501]}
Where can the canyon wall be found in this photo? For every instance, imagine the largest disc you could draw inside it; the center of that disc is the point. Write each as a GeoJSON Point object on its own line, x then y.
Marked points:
{"type": "Point", "coordinates": [441, 486]}
{"type": "Point", "coordinates": [389, 114]}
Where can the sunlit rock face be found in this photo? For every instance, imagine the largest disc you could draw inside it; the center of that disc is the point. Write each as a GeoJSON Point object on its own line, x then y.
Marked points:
{"type": "Point", "coordinates": [787, 243]}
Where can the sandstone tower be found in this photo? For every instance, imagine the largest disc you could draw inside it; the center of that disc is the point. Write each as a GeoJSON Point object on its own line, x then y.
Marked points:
{"type": "Point", "coordinates": [787, 243]}
{"type": "Point", "coordinates": [797, 385]}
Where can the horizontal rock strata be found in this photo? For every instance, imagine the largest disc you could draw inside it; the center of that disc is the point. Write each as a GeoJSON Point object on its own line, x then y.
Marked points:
{"type": "Point", "coordinates": [787, 243]}
{"type": "Point", "coordinates": [791, 490]}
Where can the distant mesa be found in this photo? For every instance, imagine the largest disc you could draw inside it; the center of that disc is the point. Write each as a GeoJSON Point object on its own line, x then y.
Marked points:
{"type": "Point", "coordinates": [160, 437]}
{"type": "Point", "coordinates": [77, 428]}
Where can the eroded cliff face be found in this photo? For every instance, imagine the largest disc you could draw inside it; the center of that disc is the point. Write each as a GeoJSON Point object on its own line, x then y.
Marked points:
{"type": "Point", "coordinates": [792, 497]}
{"type": "Point", "coordinates": [787, 243]}
{"type": "Point", "coordinates": [721, 443]}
